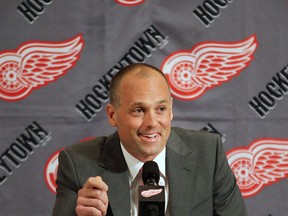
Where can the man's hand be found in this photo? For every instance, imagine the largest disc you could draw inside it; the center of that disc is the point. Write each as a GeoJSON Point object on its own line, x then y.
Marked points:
{"type": "Point", "coordinates": [92, 198]}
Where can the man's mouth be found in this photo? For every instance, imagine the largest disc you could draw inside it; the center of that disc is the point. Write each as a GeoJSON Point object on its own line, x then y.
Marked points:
{"type": "Point", "coordinates": [148, 136]}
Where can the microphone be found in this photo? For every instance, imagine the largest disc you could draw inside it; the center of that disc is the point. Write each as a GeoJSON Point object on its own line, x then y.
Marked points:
{"type": "Point", "coordinates": [151, 195]}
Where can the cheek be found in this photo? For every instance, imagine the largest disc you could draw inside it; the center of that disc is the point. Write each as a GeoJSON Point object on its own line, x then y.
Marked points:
{"type": "Point", "coordinates": [130, 123]}
{"type": "Point", "coordinates": [166, 121]}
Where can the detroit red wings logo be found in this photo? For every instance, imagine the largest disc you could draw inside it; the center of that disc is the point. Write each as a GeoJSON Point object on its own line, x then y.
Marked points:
{"type": "Point", "coordinates": [50, 172]}
{"type": "Point", "coordinates": [34, 65]}
{"type": "Point", "coordinates": [151, 192]}
{"type": "Point", "coordinates": [261, 164]}
{"type": "Point", "coordinates": [130, 2]}
{"type": "Point", "coordinates": [191, 73]}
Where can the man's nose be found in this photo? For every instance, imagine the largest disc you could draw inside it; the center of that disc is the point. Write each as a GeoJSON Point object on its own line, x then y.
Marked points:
{"type": "Point", "coordinates": [150, 119]}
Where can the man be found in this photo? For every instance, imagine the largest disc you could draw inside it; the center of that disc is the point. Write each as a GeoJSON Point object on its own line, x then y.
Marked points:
{"type": "Point", "coordinates": [194, 169]}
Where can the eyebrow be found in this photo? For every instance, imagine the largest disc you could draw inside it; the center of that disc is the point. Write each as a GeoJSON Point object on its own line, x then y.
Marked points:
{"type": "Point", "coordinates": [140, 103]}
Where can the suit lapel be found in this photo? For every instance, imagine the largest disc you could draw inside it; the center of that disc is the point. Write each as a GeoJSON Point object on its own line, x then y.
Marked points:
{"type": "Point", "coordinates": [116, 176]}
{"type": "Point", "coordinates": [180, 170]}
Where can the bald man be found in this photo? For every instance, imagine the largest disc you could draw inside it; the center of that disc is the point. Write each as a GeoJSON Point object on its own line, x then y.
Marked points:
{"type": "Point", "coordinates": [97, 177]}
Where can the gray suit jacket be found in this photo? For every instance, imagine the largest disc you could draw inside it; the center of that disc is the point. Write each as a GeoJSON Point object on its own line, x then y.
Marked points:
{"type": "Point", "coordinates": [201, 182]}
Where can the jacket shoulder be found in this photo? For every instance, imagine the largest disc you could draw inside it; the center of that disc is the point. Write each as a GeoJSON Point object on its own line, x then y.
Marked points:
{"type": "Point", "coordinates": [193, 135]}
{"type": "Point", "coordinates": [93, 144]}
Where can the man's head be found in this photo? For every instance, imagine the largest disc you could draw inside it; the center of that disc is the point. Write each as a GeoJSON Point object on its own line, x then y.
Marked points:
{"type": "Point", "coordinates": [141, 109]}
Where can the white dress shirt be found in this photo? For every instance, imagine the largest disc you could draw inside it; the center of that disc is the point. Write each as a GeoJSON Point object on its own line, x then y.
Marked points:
{"type": "Point", "coordinates": [134, 165]}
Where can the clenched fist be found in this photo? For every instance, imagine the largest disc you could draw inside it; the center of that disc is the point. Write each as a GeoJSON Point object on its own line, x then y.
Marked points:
{"type": "Point", "coordinates": [92, 198]}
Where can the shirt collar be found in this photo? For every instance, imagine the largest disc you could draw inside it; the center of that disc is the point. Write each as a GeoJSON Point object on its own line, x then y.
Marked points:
{"type": "Point", "coordinates": [134, 165]}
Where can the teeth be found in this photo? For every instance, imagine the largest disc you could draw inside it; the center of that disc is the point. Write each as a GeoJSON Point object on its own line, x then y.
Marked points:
{"type": "Point", "coordinates": [150, 136]}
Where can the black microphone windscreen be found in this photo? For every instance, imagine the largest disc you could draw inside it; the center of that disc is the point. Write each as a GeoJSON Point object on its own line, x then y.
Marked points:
{"type": "Point", "coordinates": [150, 171]}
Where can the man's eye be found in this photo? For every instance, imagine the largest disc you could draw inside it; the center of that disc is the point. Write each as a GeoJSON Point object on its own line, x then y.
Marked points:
{"type": "Point", "coordinates": [161, 109]}
{"type": "Point", "coordinates": [138, 110]}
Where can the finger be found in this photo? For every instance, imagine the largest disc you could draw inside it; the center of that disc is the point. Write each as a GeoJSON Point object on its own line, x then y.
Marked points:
{"type": "Point", "coordinates": [96, 182]}
{"type": "Point", "coordinates": [96, 203]}
{"type": "Point", "coordinates": [94, 194]}
{"type": "Point", "coordinates": [88, 211]}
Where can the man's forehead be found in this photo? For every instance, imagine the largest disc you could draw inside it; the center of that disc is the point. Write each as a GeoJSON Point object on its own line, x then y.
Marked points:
{"type": "Point", "coordinates": [140, 103]}
{"type": "Point", "coordinates": [143, 74]}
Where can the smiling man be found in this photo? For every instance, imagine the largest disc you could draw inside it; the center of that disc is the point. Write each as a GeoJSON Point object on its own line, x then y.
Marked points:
{"type": "Point", "coordinates": [98, 177]}
{"type": "Point", "coordinates": [141, 109]}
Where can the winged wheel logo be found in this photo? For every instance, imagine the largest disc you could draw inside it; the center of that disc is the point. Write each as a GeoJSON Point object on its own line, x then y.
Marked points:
{"type": "Point", "coordinates": [263, 163]}
{"type": "Point", "coordinates": [191, 73]}
{"type": "Point", "coordinates": [34, 65]}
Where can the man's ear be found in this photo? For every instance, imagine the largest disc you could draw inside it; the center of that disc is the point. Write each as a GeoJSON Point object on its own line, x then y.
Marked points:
{"type": "Point", "coordinates": [111, 114]}
{"type": "Point", "coordinates": [171, 104]}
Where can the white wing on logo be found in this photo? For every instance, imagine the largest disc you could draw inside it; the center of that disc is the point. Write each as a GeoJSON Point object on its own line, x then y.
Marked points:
{"type": "Point", "coordinates": [216, 62]}
{"type": "Point", "coordinates": [270, 162]}
{"type": "Point", "coordinates": [44, 62]}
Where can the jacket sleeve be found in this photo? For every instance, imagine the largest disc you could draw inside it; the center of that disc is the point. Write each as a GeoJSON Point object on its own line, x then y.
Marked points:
{"type": "Point", "coordinates": [67, 187]}
{"type": "Point", "coordinates": [226, 194]}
